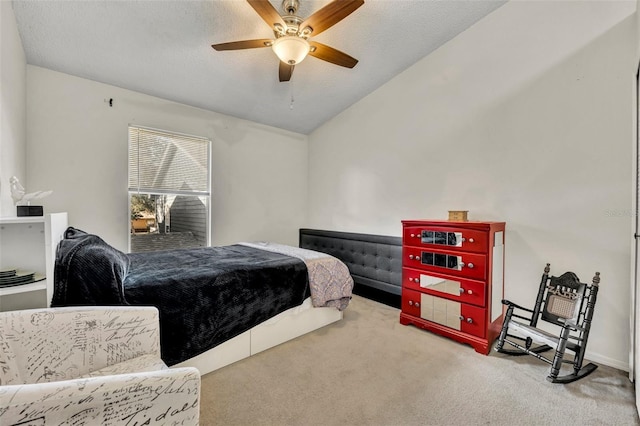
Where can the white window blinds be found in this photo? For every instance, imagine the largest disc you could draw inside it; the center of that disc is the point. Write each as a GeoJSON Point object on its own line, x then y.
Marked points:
{"type": "Point", "coordinates": [163, 162]}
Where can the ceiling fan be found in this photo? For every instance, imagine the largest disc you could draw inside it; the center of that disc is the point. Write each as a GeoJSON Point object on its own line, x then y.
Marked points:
{"type": "Point", "coordinates": [292, 33]}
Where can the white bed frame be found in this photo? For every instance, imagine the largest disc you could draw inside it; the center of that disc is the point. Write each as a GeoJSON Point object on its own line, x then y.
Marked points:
{"type": "Point", "coordinates": [283, 327]}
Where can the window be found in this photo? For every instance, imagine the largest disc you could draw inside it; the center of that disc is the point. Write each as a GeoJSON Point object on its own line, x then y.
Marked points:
{"type": "Point", "coordinates": [169, 190]}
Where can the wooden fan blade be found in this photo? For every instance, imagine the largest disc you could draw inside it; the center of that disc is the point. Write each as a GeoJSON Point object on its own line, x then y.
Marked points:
{"type": "Point", "coordinates": [285, 71]}
{"type": "Point", "coordinates": [267, 12]}
{"type": "Point", "coordinates": [330, 15]}
{"type": "Point", "coordinates": [329, 54]}
{"type": "Point", "coordinates": [244, 44]}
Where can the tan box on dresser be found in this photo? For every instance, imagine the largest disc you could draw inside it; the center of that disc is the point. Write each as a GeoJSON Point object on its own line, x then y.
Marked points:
{"type": "Point", "coordinates": [453, 279]}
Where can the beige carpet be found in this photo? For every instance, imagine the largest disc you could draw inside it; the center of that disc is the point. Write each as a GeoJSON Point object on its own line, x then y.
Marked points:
{"type": "Point", "coordinates": [370, 370]}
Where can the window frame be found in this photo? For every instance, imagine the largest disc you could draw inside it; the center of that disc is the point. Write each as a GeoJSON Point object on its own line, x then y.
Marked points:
{"type": "Point", "coordinates": [152, 191]}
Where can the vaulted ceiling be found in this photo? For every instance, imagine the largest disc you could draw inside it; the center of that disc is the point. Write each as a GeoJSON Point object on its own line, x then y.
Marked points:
{"type": "Point", "coordinates": [163, 49]}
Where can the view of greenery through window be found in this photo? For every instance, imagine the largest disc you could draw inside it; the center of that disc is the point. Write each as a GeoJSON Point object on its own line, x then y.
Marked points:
{"type": "Point", "coordinates": [142, 206]}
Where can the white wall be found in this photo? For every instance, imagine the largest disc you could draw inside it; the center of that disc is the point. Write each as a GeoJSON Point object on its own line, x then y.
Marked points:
{"type": "Point", "coordinates": [526, 117]}
{"type": "Point", "coordinates": [77, 146]}
{"type": "Point", "coordinates": [12, 107]}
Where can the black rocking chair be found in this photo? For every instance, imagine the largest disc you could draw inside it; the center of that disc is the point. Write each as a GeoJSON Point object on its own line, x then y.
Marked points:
{"type": "Point", "coordinates": [565, 302]}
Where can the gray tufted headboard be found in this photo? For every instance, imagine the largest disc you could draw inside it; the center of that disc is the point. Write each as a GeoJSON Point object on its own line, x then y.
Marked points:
{"type": "Point", "coordinates": [374, 261]}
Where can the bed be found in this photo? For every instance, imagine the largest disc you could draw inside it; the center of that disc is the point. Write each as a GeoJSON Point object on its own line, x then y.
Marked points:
{"type": "Point", "coordinates": [217, 304]}
{"type": "Point", "coordinates": [374, 261]}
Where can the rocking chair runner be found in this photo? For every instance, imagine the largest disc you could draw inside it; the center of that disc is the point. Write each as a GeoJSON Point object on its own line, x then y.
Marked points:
{"type": "Point", "coordinates": [565, 302]}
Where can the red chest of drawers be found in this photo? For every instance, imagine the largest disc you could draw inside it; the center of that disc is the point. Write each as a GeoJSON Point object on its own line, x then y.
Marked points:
{"type": "Point", "coordinates": [453, 279]}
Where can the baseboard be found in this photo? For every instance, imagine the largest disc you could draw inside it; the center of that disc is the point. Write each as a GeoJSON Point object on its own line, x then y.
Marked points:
{"type": "Point", "coordinates": [605, 360]}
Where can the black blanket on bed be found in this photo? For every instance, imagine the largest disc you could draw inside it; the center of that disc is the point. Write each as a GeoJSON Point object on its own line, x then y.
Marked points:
{"type": "Point", "coordinates": [205, 296]}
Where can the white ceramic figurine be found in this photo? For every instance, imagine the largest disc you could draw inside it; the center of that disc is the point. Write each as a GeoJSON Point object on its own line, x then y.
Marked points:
{"type": "Point", "coordinates": [20, 196]}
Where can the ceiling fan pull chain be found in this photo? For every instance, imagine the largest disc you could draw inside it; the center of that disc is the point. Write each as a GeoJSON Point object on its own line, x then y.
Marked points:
{"type": "Point", "coordinates": [292, 100]}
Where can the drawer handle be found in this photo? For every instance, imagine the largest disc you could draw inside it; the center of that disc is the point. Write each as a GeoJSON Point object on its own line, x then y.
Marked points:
{"type": "Point", "coordinates": [416, 280]}
{"type": "Point", "coordinates": [462, 290]}
{"type": "Point", "coordinates": [469, 320]}
{"type": "Point", "coordinates": [468, 265]}
{"type": "Point", "coordinates": [411, 256]}
{"type": "Point", "coordinates": [412, 303]}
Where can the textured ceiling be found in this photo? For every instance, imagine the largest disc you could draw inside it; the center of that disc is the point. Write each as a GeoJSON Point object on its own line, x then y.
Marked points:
{"type": "Point", "coordinates": [163, 49]}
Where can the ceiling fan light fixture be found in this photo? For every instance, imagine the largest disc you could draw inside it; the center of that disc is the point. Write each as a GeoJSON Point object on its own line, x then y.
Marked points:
{"type": "Point", "coordinates": [291, 49]}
